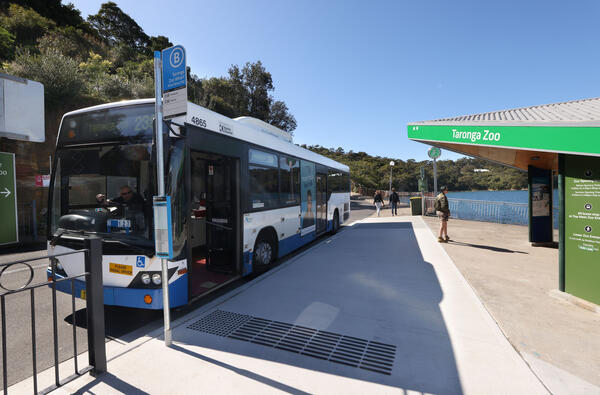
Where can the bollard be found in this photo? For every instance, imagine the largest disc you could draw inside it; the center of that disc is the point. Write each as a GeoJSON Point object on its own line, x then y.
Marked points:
{"type": "Point", "coordinates": [95, 305]}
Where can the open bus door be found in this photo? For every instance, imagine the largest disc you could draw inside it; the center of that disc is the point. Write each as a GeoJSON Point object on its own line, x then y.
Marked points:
{"type": "Point", "coordinates": [214, 180]}
{"type": "Point", "coordinates": [220, 219]}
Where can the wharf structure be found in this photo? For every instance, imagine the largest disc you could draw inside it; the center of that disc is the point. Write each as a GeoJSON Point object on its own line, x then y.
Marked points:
{"type": "Point", "coordinates": [560, 138]}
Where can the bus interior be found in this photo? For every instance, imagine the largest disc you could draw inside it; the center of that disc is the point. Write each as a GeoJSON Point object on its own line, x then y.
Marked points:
{"type": "Point", "coordinates": [213, 229]}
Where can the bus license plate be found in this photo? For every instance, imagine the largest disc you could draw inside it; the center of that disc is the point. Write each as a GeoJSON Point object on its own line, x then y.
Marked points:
{"type": "Point", "coordinates": [83, 295]}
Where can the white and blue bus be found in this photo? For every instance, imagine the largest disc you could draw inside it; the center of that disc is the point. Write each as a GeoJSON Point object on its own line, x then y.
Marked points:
{"type": "Point", "coordinates": [242, 196]}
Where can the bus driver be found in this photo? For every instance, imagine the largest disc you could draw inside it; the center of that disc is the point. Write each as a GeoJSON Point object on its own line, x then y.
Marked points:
{"type": "Point", "coordinates": [130, 204]}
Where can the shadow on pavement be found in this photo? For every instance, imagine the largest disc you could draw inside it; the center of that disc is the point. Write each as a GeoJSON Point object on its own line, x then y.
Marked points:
{"type": "Point", "coordinates": [112, 381]}
{"type": "Point", "coordinates": [241, 372]}
{"type": "Point", "coordinates": [118, 321]}
{"type": "Point", "coordinates": [485, 247]}
{"type": "Point", "coordinates": [370, 282]}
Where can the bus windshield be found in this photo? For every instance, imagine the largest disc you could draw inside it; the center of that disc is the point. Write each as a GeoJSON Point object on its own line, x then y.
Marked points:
{"type": "Point", "coordinates": [106, 190]}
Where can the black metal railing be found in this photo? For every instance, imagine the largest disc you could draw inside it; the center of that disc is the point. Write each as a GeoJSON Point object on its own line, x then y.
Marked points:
{"type": "Point", "coordinates": [94, 297]}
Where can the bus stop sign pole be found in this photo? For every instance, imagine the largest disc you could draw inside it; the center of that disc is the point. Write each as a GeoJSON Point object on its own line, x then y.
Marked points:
{"type": "Point", "coordinates": [161, 185]}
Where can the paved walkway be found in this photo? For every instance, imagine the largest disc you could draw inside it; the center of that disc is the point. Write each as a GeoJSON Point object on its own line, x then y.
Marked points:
{"type": "Point", "coordinates": [378, 308]}
{"type": "Point", "coordinates": [518, 283]}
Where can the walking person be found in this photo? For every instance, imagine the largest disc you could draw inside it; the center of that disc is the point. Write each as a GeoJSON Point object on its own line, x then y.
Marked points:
{"type": "Point", "coordinates": [378, 201]}
{"type": "Point", "coordinates": [394, 199]}
{"type": "Point", "coordinates": [443, 211]}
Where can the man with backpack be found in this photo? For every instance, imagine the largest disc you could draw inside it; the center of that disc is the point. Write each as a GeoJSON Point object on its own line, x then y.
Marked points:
{"type": "Point", "coordinates": [394, 199]}
{"type": "Point", "coordinates": [443, 211]}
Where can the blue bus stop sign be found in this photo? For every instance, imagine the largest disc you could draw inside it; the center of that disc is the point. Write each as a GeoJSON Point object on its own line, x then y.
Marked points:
{"type": "Point", "coordinates": [173, 68]}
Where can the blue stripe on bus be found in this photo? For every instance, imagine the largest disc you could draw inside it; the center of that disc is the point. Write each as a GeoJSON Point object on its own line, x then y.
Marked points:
{"type": "Point", "coordinates": [292, 243]}
{"type": "Point", "coordinates": [133, 297]}
{"type": "Point", "coordinates": [247, 265]}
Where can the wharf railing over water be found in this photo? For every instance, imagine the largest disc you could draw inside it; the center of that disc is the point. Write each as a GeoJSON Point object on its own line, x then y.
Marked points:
{"type": "Point", "coordinates": [488, 211]}
{"type": "Point", "coordinates": [94, 307]}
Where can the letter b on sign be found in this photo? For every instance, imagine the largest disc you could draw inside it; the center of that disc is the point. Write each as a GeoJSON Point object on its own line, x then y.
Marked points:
{"type": "Point", "coordinates": [176, 57]}
{"type": "Point", "coordinates": [173, 68]}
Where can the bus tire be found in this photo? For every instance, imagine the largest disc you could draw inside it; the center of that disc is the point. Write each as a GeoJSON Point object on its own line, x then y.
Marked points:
{"type": "Point", "coordinates": [336, 222]}
{"type": "Point", "coordinates": [265, 252]}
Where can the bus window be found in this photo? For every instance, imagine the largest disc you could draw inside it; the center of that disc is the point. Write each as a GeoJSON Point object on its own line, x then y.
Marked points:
{"type": "Point", "coordinates": [264, 180]}
{"type": "Point", "coordinates": [289, 170]}
{"type": "Point", "coordinates": [91, 192]}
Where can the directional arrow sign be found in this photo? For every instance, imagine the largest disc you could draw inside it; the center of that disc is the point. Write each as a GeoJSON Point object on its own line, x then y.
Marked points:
{"type": "Point", "coordinates": [9, 231]}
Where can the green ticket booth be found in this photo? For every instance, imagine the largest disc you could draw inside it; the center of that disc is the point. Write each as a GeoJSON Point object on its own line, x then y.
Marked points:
{"type": "Point", "coordinates": [555, 139]}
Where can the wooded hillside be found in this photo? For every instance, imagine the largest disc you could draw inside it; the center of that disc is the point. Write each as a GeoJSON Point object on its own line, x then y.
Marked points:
{"type": "Point", "coordinates": [373, 172]}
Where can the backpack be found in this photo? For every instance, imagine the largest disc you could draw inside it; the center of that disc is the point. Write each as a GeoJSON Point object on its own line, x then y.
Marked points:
{"type": "Point", "coordinates": [437, 205]}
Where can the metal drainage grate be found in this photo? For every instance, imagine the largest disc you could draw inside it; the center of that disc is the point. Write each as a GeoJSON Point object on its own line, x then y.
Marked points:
{"type": "Point", "coordinates": [347, 350]}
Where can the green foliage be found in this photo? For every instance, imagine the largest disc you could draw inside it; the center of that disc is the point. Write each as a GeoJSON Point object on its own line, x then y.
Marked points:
{"type": "Point", "coordinates": [279, 115]}
{"type": "Point", "coordinates": [7, 44]}
{"type": "Point", "coordinates": [61, 76]}
{"type": "Point", "coordinates": [370, 172]}
{"type": "Point", "coordinates": [245, 92]}
{"type": "Point", "coordinates": [72, 42]}
{"type": "Point", "coordinates": [159, 43]}
{"type": "Point", "coordinates": [25, 24]}
{"type": "Point", "coordinates": [96, 71]}
{"type": "Point", "coordinates": [110, 58]}
{"type": "Point", "coordinates": [118, 28]}
{"type": "Point", "coordinates": [61, 14]}
{"type": "Point", "coordinates": [130, 82]}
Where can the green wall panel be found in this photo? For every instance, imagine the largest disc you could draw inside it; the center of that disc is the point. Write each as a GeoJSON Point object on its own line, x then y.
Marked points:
{"type": "Point", "coordinates": [582, 227]}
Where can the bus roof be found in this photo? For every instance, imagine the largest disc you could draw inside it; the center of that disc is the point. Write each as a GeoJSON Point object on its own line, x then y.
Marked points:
{"type": "Point", "coordinates": [244, 128]}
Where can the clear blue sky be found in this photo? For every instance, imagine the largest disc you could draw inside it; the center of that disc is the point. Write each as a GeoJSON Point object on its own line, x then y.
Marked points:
{"type": "Point", "coordinates": [354, 73]}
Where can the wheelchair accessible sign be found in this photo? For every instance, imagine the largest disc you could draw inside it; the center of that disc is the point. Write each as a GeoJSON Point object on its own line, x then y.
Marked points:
{"type": "Point", "coordinates": [174, 82]}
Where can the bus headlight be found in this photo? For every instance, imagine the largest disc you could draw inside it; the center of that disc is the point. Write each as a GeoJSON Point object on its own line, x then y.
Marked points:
{"type": "Point", "coordinates": [156, 278]}
{"type": "Point", "coordinates": [145, 278]}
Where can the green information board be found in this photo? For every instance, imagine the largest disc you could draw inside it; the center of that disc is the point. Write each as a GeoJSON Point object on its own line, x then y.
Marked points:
{"type": "Point", "coordinates": [9, 232]}
{"type": "Point", "coordinates": [582, 227]}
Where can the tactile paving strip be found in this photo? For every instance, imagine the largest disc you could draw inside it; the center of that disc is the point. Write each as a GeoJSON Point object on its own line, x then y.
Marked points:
{"type": "Point", "coordinates": [347, 350]}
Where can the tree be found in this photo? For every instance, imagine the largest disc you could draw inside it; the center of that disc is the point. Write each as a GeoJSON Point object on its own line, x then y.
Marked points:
{"type": "Point", "coordinates": [63, 82]}
{"type": "Point", "coordinates": [245, 92]}
{"type": "Point", "coordinates": [159, 43]}
{"type": "Point", "coordinates": [25, 25]}
{"type": "Point", "coordinates": [72, 42]}
{"type": "Point", "coordinates": [7, 44]}
{"type": "Point", "coordinates": [116, 27]}
{"type": "Point", "coordinates": [252, 84]}
{"type": "Point", "coordinates": [61, 14]}
{"type": "Point", "coordinates": [280, 116]}
{"type": "Point", "coordinates": [95, 70]}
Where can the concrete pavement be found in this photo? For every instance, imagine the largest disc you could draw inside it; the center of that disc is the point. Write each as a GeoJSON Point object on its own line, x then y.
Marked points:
{"type": "Point", "coordinates": [384, 289]}
{"type": "Point", "coordinates": [518, 285]}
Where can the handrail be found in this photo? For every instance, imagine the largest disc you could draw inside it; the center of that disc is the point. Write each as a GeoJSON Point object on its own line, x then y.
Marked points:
{"type": "Point", "coordinates": [488, 211]}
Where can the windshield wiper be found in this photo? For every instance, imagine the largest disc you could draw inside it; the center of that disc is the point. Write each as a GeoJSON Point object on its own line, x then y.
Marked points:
{"type": "Point", "coordinates": [63, 232]}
